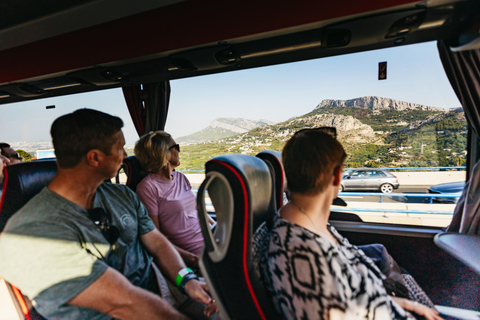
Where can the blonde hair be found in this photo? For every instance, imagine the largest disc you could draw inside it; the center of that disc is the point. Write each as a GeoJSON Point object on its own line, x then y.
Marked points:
{"type": "Point", "coordinates": [152, 149]}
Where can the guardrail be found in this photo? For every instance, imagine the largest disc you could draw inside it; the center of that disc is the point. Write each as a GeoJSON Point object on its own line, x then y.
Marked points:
{"type": "Point", "coordinates": [414, 169]}
{"type": "Point", "coordinates": [431, 196]}
{"type": "Point", "coordinates": [351, 208]}
{"type": "Point", "coordinates": [460, 168]}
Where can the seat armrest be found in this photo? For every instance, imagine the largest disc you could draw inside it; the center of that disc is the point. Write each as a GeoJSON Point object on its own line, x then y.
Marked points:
{"type": "Point", "coordinates": [465, 248]}
{"type": "Point", "coordinates": [457, 313]}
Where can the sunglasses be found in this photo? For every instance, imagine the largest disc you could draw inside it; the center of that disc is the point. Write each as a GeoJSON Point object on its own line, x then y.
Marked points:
{"type": "Point", "coordinates": [332, 131]}
{"type": "Point", "coordinates": [176, 146]}
{"type": "Point", "coordinates": [102, 220]}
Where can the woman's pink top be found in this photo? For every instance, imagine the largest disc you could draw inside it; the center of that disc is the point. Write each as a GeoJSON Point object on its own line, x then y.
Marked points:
{"type": "Point", "coordinates": [173, 204]}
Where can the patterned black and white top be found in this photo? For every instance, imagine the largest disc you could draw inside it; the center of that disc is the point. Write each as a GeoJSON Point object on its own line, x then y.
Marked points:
{"type": "Point", "coordinates": [309, 277]}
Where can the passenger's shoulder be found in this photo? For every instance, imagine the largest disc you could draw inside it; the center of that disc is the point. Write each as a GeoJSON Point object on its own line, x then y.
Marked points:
{"type": "Point", "coordinates": [116, 188]}
{"type": "Point", "coordinates": [45, 208]}
{"type": "Point", "coordinates": [146, 180]}
{"type": "Point", "coordinates": [179, 174]}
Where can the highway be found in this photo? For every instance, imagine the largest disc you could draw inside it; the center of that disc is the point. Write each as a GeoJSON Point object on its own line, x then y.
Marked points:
{"type": "Point", "coordinates": [401, 189]}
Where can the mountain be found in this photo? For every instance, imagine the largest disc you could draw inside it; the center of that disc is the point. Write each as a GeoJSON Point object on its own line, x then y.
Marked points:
{"type": "Point", "coordinates": [375, 131]}
{"type": "Point", "coordinates": [376, 103]}
{"type": "Point", "coordinates": [349, 129]}
{"type": "Point", "coordinates": [222, 128]}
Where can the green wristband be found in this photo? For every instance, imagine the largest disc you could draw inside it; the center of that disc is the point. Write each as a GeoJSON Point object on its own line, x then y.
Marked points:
{"type": "Point", "coordinates": [181, 274]}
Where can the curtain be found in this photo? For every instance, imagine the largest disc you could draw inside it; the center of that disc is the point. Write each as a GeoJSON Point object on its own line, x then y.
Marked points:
{"type": "Point", "coordinates": [158, 99]}
{"type": "Point", "coordinates": [463, 72]}
{"type": "Point", "coordinates": [136, 107]}
{"type": "Point", "coordinates": [148, 105]}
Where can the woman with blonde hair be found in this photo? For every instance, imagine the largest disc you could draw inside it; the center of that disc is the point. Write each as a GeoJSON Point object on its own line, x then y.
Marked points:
{"type": "Point", "coordinates": [167, 194]}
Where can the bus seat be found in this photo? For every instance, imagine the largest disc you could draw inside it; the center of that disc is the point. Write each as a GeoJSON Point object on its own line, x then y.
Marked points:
{"type": "Point", "coordinates": [134, 171]}
{"type": "Point", "coordinates": [274, 161]}
{"type": "Point", "coordinates": [22, 182]}
{"type": "Point", "coordinates": [240, 189]}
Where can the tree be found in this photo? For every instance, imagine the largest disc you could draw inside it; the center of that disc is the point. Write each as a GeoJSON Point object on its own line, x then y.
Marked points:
{"type": "Point", "coordinates": [25, 155]}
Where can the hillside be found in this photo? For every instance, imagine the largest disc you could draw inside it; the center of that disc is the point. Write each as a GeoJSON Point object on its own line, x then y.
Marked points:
{"type": "Point", "coordinates": [380, 133]}
{"type": "Point", "coordinates": [222, 128]}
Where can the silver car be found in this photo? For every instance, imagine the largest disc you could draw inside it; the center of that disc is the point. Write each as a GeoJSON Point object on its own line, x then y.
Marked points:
{"type": "Point", "coordinates": [369, 179]}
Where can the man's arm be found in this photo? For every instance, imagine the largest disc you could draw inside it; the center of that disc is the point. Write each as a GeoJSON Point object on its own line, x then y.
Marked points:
{"type": "Point", "coordinates": [114, 295]}
{"type": "Point", "coordinates": [190, 258]}
{"type": "Point", "coordinates": [170, 263]}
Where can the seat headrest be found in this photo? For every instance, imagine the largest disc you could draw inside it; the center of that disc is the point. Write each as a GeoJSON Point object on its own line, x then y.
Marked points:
{"type": "Point", "coordinates": [22, 182]}
{"type": "Point", "coordinates": [275, 164]}
{"type": "Point", "coordinates": [240, 189]}
{"type": "Point", "coordinates": [252, 174]}
{"type": "Point", "coordinates": [134, 171]}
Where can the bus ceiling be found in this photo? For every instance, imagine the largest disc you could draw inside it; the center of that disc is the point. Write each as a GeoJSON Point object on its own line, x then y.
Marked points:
{"type": "Point", "coordinates": [75, 46]}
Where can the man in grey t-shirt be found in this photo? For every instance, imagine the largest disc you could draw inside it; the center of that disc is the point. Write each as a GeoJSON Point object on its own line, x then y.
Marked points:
{"type": "Point", "coordinates": [86, 249]}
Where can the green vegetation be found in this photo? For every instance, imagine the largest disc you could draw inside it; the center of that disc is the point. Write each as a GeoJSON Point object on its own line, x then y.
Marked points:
{"type": "Point", "coordinates": [406, 139]}
{"type": "Point", "coordinates": [24, 154]}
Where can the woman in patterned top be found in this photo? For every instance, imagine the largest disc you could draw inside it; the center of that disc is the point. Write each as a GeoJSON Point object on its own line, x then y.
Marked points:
{"type": "Point", "coordinates": [312, 271]}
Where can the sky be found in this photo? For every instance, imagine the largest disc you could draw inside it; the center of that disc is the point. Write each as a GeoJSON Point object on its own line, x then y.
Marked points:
{"type": "Point", "coordinates": [275, 93]}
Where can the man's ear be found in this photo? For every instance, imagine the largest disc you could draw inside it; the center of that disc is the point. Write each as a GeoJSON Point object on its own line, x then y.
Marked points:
{"type": "Point", "coordinates": [337, 175]}
{"type": "Point", "coordinates": [94, 157]}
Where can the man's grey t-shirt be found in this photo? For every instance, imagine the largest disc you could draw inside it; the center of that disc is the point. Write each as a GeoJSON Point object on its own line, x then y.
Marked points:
{"type": "Point", "coordinates": [52, 251]}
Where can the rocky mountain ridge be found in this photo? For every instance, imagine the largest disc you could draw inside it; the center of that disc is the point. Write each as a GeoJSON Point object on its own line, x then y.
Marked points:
{"type": "Point", "coordinates": [377, 103]}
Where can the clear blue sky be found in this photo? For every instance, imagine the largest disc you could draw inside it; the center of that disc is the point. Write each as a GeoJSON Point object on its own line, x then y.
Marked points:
{"type": "Point", "coordinates": [274, 93]}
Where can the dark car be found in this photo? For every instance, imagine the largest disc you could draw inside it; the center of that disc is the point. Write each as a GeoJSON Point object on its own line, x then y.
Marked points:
{"type": "Point", "coordinates": [369, 179]}
{"type": "Point", "coordinates": [449, 188]}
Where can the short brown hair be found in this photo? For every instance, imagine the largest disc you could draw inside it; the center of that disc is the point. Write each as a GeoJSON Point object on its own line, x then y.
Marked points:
{"type": "Point", "coordinates": [74, 134]}
{"type": "Point", "coordinates": [310, 158]}
{"type": "Point", "coordinates": [151, 150]}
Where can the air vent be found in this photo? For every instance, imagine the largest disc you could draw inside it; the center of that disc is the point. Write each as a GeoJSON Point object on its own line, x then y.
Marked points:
{"type": "Point", "coordinates": [405, 25]}
{"type": "Point", "coordinates": [336, 38]}
{"type": "Point", "coordinates": [182, 64]}
{"type": "Point", "coordinates": [227, 56]}
{"type": "Point", "coordinates": [112, 75]}
{"type": "Point", "coordinates": [31, 89]}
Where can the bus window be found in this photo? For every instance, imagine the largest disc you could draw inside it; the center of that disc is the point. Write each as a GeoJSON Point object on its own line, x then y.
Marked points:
{"type": "Point", "coordinates": [411, 125]}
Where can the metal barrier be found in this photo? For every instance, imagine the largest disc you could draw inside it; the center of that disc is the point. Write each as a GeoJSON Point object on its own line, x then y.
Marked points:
{"type": "Point", "coordinates": [431, 196]}
{"type": "Point", "coordinates": [459, 168]}
{"type": "Point", "coordinates": [414, 169]}
{"type": "Point", "coordinates": [348, 209]}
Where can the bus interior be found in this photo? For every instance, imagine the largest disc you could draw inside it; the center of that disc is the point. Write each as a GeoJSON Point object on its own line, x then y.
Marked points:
{"type": "Point", "coordinates": [149, 52]}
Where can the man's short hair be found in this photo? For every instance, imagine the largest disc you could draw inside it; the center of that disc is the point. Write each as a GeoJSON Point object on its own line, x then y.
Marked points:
{"type": "Point", "coordinates": [310, 159]}
{"type": "Point", "coordinates": [151, 150]}
{"type": "Point", "coordinates": [74, 134]}
{"type": "Point", "coordinates": [4, 145]}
